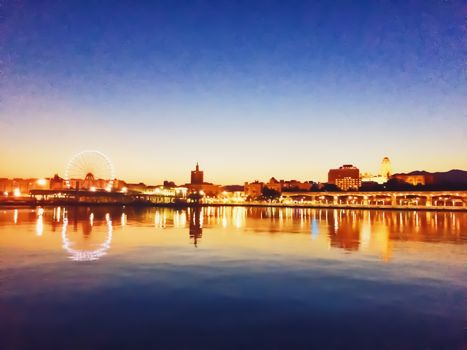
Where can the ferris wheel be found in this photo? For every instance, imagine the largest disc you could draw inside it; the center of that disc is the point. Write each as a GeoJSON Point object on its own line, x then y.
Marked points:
{"type": "Point", "coordinates": [90, 168]}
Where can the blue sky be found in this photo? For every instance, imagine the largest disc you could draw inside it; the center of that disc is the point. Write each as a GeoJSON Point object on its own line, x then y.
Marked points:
{"type": "Point", "coordinates": [250, 89]}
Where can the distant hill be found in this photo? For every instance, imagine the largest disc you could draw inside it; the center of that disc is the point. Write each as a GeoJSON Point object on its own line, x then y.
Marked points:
{"type": "Point", "coordinates": [454, 176]}
{"type": "Point", "coordinates": [451, 177]}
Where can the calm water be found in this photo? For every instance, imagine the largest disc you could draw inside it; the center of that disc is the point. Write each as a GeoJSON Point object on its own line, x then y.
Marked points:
{"type": "Point", "coordinates": [232, 278]}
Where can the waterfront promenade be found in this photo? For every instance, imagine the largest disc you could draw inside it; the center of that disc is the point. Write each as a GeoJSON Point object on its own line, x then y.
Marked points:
{"type": "Point", "coordinates": [341, 206]}
{"type": "Point", "coordinates": [400, 200]}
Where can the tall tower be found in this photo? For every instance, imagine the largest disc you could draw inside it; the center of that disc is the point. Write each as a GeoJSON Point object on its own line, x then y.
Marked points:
{"type": "Point", "coordinates": [386, 168]}
{"type": "Point", "coordinates": [197, 176]}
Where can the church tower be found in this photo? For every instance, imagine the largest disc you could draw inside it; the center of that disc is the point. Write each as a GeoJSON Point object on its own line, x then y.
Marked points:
{"type": "Point", "coordinates": [197, 176]}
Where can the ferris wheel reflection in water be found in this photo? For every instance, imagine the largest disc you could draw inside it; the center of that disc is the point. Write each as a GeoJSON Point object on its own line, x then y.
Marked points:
{"type": "Point", "coordinates": [87, 255]}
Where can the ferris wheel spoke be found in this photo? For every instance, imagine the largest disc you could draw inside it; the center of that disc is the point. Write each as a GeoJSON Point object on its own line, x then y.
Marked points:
{"type": "Point", "coordinates": [85, 165]}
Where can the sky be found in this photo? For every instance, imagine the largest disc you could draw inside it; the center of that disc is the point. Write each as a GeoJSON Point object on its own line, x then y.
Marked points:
{"type": "Point", "coordinates": [249, 89]}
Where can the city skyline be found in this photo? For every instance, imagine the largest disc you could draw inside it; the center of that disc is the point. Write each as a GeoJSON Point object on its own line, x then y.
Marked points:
{"type": "Point", "coordinates": [250, 90]}
{"type": "Point", "coordinates": [364, 173]}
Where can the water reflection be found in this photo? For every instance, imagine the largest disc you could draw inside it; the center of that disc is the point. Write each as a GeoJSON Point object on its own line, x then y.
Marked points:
{"type": "Point", "coordinates": [196, 225]}
{"type": "Point", "coordinates": [348, 230]}
{"type": "Point", "coordinates": [82, 254]}
{"type": "Point", "coordinates": [40, 222]}
{"type": "Point", "coordinates": [123, 219]}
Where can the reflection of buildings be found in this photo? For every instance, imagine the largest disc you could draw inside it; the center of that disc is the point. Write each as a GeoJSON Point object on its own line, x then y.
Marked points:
{"type": "Point", "coordinates": [344, 232]}
{"type": "Point", "coordinates": [376, 233]}
{"type": "Point", "coordinates": [347, 177]}
{"type": "Point", "coordinates": [196, 224]}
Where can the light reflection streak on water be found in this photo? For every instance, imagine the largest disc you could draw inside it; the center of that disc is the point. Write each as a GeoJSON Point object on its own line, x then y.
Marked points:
{"type": "Point", "coordinates": [201, 218]}
{"type": "Point", "coordinates": [160, 221]}
{"type": "Point", "coordinates": [239, 216]}
{"type": "Point", "coordinates": [57, 214]}
{"type": "Point", "coordinates": [314, 228]}
{"type": "Point", "coordinates": [179, 219]}
{"type": "Point", "coordinates": [40, 222]}
{"type": "Point", "coordinates": [336, 221]}
{"type": "Point", "coordinates": [224, 219]}
{"type": "Point", "coordinates": [365, 233]}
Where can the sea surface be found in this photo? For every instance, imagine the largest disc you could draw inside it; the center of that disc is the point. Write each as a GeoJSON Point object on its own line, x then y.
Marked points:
{"type": "Point", "coordinates": [232, 278]}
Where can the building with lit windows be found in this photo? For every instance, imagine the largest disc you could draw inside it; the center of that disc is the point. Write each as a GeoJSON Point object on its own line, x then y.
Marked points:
{"type": "Point", "coordinates": [347, 177]}
{"type": "Point", "coordinates": [415, 178]}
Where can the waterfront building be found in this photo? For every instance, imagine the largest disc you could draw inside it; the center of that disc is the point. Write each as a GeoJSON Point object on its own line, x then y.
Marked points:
{"type": "Point", "coordinates": [253, 189]}
{"type": "Point", "coordinates": [386, 168]}
{"type": "Point", "coordinates": [167, 191]}
{"type": "Point", "coordinates": [21, 187]}
{"type": "Point", "coordinates": [382, 177]}
{"type": "Point", "coordinates": [232, 196]}
{"type": "Point", "coordinates": [197, 176]}
{"type": "Point", "coordinates": [57, 183]}
{"type": "Point", "coordinates": [89, 183]}
{"type": "Point", "coordinates": [274, 184]}
{"type": "Point", "coordinates": [374, 179]}
{"type": "Point", "coordinates": [198, 185]}
{"type": "Point", "coordinates": [415, 179]}
{"type": "Point", "coordinates": [347, 177]}
{"type": "Point", "coordinates": [136, 187]}
{"type": "Point", "coordinates": [295, 186]}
